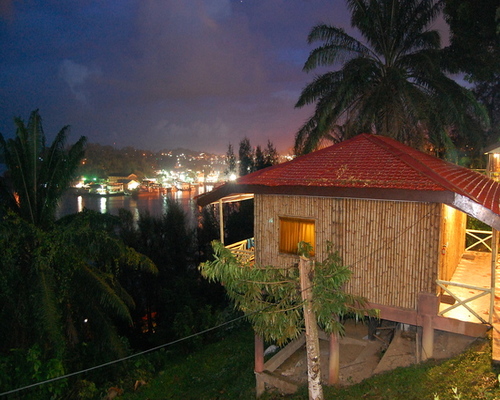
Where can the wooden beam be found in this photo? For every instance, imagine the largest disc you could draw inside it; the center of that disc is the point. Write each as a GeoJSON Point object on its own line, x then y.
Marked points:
{"type": "Point", "coordinates": [476, 210]}
{"type": "Point", "coordinates": [279, 358]}
{"type": "Point", "coordinates": [283, 384]}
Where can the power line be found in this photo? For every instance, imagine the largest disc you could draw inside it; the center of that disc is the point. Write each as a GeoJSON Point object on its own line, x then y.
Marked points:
{"type": "Point", "coordinates": [122, 359]}
{"type": "Point", "coordinates": [398, 234]}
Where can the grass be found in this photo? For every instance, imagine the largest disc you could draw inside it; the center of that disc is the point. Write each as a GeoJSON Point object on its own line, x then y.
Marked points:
{"type": "Point", "coordinates": [224, 370]}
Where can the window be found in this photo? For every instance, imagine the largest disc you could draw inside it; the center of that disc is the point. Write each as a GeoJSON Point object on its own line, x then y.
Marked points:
{"type": "Point", "coordinates": [295, 230]}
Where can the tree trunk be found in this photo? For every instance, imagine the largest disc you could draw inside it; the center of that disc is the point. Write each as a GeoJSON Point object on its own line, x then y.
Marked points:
{"type": "Point", "coordinates": [312, 339]}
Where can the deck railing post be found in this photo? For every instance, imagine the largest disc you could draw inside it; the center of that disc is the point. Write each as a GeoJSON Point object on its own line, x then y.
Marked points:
{"type": "Point", "coordinates": [221, 222]}
{"type": "Point", "coordinates": [494, 251]}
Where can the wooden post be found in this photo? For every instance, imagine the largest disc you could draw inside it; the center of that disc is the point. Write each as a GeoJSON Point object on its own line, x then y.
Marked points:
{"type": "Point", "coordinates": [334, 362]}
{"type": "Point", "coordinates": [260, 386]}
{"type": "Point", "coordinates": [312, 338]}
{"type": "Point", "coordinates": [494, 253]}
{"type": "Point", "coordinates": [259, 353]}
{"type": "Point", "coordinates": [221, 222]}
{"type": "Point", "coordinates": [428, 305]}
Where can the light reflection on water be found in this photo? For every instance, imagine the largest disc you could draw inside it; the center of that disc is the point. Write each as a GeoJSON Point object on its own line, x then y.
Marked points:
{"type": "Point", "coordinates": [155, 203]}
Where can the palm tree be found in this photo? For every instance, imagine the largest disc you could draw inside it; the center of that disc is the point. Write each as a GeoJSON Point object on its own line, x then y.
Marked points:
{"type": "Point", "coordinates": [59, 280]}
{"type": "Point", "coordinates": [60, 288]}
{"type": "Point", "coordinates": [391, 84]}
{"type": "Point", "coordinates": [39, 175]}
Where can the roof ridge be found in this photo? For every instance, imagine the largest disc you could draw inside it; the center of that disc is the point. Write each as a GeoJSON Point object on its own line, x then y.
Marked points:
{"type": "Point", "coordinates": [418, 165]}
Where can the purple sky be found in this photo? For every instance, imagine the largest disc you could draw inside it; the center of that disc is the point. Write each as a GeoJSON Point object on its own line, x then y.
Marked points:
{"type": "Point", "coordinates": [158, 74]}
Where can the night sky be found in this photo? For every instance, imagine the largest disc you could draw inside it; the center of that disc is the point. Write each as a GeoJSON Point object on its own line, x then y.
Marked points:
{"type": "Point", "coordinates": [158, 74]}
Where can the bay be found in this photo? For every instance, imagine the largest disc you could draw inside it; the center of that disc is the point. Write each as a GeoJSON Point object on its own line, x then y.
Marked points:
{"type": "Point", "coordinates": [155, 203]}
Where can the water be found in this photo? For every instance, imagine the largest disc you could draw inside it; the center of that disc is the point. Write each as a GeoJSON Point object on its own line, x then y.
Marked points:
{"type": "Point", "coordinates": [155, 203]}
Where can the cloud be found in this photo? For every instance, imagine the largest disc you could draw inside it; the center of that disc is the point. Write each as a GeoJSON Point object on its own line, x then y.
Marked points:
{"type": "Point", "coordinates": [6, 10]}
{"type": "Point", "coordinates": [76, 76]}
{"type": "Point", "coordinates": [195, 48]}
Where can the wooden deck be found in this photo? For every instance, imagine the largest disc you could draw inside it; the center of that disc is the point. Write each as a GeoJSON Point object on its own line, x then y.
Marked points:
{"type": "Point", "coordinates": [473, 272]}
{"type": "Point", "coordinates": [474, 269]}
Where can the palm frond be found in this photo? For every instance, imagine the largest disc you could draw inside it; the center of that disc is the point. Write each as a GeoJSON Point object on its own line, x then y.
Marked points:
{"type": "Point", "coordinates": [393, 85]}
{"type": "Point", "coordinates": [338, 47]}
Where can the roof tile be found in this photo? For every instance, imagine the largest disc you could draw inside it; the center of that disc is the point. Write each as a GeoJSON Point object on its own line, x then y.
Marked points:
{"type": "Point", "coordinates": [372, 161]}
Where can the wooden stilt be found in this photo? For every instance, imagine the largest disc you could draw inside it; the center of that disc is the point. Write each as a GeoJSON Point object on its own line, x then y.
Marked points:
{"type": "Point", "coordinates": [428, 305]}
{"type": "Point", "coordinates": [260, 385]}
{"type": "Point", "coordinates": [259, 354]}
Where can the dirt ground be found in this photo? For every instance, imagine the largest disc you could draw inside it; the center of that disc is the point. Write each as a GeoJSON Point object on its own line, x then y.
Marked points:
{"type": "Point", "coordinates": [393, 346]}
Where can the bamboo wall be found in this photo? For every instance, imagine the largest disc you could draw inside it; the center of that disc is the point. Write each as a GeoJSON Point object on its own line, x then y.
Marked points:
{"type": "Point", "coordinates": [453, 224]}
{"type": "Point", "coordinates": [391, 247]}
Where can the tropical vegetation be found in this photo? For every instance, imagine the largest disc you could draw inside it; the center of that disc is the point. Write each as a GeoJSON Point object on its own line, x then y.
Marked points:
{"type": "Point", "coordinates": [37, 175]}
{"type": "Point", "coordinates": [392, 83]}
{"type": "Point", "coordinates": [474, 50]}
{"type": "Point", "coordinates": [224, 370]}
{"type": "Point", "coordinates": [61, 297]}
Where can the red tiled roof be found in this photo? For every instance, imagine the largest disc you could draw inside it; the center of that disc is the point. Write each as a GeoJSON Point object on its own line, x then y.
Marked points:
{"type": "Point", "coordinates": [373, 162]}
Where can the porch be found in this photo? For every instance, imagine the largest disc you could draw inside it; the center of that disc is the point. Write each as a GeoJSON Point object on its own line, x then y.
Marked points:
{"type": "Point", "coordinates": [468, 295]}
{"type": "Point", "coordinates": [244, 250]}
{"type": "Point", "coordinates": [473, 293]}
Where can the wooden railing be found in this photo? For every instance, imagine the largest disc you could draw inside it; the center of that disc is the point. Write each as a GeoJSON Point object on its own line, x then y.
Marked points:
{"type": "Point", "coordinates": [244, 250]}
{"type": "Point", "coordinates": [479, 238]}
{"type": "Point", "coordinates": [445, 285]}
{"type": "Point", "coordinates": [479, 241]}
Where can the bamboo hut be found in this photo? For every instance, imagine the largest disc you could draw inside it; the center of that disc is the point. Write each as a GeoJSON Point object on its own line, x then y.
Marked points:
{"type": "Point", "coordinates": [396, 215]}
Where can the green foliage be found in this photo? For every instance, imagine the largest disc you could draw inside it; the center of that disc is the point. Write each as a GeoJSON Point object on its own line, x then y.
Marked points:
{"type": "Point", "coordinates": [475, 51]}
{"type": "Point", "coordinates": [38, 175]}
{"type": "Point", "coordinates": [259, 161]}
{"type": "Point", "coordinates": [271, 156]}
{"type": "Point", "coordinates": [271, 297]}
{"type": "Point", "coordinates": [60, 292]}
{"type": "Point", "coordinates": [208, 230]}
{"type": "Point", "coordinates": [392, 83]}
{"type": "Point", "coordinates": [222, 370]}
{"type": "Point", "coordinates": [21, 367]}
{"type": "Point", "coordinates": [230, 160]}
{"type": "Point", "coordinates": [474, 41]}
{"type": "Point", "coordinates": [181, 302]}
{"type": "Point", "coordinates": [246, 157]}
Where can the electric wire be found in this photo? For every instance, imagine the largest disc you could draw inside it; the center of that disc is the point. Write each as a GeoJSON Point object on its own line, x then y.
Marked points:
{"type": "Point", "coordinates": [397, 235]}
{"type": "Point", "coordinates": [126, 357]}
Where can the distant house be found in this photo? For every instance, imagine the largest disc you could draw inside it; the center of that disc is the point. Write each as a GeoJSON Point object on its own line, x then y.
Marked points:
{"type": "Point", "coordinates": [129, 182]}
{"type": "Point", "coordinates": [493, 162]}
{"type": "Point", "coordinates": [396, 215]}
